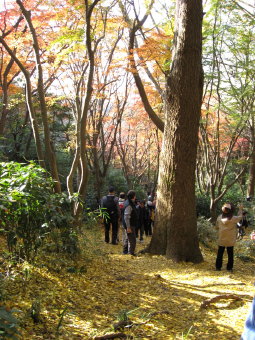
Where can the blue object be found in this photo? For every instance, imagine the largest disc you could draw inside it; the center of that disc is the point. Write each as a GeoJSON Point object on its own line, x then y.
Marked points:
{"type": "Point", "coordinates": [249, 327]}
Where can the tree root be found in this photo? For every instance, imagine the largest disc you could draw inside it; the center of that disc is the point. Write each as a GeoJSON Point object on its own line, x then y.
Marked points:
{"type": "Point", "coordinates": [207, 302]}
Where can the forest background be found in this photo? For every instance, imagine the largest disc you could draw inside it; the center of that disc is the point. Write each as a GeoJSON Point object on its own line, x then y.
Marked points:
{"type": "Point", "coordinates": [83, 98]}
{"type": "Point", "coordinates": [121, 145]}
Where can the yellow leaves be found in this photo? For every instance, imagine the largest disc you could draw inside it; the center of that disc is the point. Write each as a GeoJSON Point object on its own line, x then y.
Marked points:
{"type": "Point", "coordinates": [157, 47]}
{"type": "Point", "coordinates": [161, 298]}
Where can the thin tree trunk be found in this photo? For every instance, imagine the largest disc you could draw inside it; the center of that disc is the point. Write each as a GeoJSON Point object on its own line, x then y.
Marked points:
{"type": "Point", "coordinates": [29, 101]}
{"type": "Point", "coordinates": [4, 109]}
{"type": "Point", "coordinates": [251, 183]}
{"type": "Point", "coordinates": [85, 108]}
{"type": "Point", "coordinates": [175, 233]}
{"type": "Point", "coordinates": [50, 154]}
{"type": "Point", "coordinates": [213, 210]}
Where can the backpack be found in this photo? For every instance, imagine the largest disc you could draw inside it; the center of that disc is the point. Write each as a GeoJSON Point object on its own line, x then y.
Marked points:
{"type": "Point", "coordinates": [110, 205]}
{"type": "Point", "coordinates": [121, 206]}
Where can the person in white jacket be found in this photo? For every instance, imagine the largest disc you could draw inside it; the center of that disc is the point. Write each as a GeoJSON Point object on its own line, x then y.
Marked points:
{"type": "Point", "coordinates": [227, 226]}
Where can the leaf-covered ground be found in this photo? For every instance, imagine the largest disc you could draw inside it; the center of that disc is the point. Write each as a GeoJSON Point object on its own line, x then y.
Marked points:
{"type": "Point", "coordinates": [86, 297]}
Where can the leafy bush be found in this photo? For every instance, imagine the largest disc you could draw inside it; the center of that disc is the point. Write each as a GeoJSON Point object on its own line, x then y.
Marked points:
{"type": "Point", "coordinates": [25, 191]}
{"type": "Point", "coordinates": [245, 250]}
{"type": "Point", "coordinates": [115, 177]}
{"type": "Point", "coordinates": [63, 227]}
{"type": "Point", "coordinates": [29, 210]}
{"type": "Point", "coordinates": [203, 205]}
{"type": "Point", "coordinates": [206, 232]}
{"type": "Point", "coordinates": [94, 217]}
{"type": "Point", "coordinates": [2, 287]}
{"type": "Point", "coordinates": [8, 324]}
{"type": "Point", "coordinates": [61, 223]}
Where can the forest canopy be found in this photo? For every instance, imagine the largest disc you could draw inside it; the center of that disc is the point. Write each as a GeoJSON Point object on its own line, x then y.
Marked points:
{"type": "Point", "coordinates": [155, 97]}
{"type": "Point", "coordinates": [88, 87]}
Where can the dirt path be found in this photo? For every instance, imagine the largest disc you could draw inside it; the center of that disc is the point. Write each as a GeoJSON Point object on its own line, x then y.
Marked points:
{"type": "Point", "coordinates": [162, 299]}
{"type": "Point", "coordinates": [173, 294]}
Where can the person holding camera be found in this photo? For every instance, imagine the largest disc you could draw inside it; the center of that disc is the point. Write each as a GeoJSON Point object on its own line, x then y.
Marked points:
{"type": "Point", "coordinates": [226, 225]}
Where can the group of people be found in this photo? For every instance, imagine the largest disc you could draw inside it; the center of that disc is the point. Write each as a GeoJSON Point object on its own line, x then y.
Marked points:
{"type": "Point", "coordinates": [134, 217]}
{"type": "Point", "coordinates": [137, 217]}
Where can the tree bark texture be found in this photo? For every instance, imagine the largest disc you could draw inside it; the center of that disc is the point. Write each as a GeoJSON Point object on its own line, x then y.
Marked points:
{"type": "Point", "coordinates": [175, 232]}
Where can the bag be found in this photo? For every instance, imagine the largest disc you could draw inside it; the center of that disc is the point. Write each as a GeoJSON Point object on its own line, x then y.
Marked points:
{"type": "Point", "coordinates": [121, 205]}
{"type": "Point", "coordinates": [110, 205]}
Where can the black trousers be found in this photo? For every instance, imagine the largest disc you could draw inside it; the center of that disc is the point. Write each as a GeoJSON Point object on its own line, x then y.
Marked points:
{"type": "Point", "coordinates": [130, 243]}
{"type": "Point", "coordinates": [147, 227]}
{"type": "Point", "coordinates": [113, 221]}
{"type": "Point", "coordinates": [140, 227]}
{"type": "Point", "coordinates": [230, 251]}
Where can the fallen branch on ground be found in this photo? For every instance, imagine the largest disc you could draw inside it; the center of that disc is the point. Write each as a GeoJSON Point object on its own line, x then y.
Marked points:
{"type": "Point", "coordinates": [207, 302]}
{"type": "Point", "coordinates": [112, 336]}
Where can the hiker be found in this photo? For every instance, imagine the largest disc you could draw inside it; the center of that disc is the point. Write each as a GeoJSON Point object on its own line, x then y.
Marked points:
{"type": "Point", "coordinates": [122, 198]}
{"type": "Point", "coordinates": [226, 224]}
{"type": "Point", "coordinates": [110, 203]}
{"type": "Point", "coordinates": [142, 219]}
{"type": "Point", "coordinates": [130, 222]}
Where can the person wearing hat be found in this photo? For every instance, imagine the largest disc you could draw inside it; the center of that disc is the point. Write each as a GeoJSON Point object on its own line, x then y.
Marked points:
{"type": "Point", "coordinates": [226, 225]}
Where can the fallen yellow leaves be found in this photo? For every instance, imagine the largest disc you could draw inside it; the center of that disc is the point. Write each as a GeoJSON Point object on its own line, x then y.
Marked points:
{"type": "Point", "coordinates": [162, 299]}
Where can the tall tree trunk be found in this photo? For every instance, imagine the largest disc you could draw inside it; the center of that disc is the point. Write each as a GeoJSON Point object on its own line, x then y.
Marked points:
{"type": "Point", "coordinates": [85, 108]}
{"type": "Point", "coordinates": [175, 233]}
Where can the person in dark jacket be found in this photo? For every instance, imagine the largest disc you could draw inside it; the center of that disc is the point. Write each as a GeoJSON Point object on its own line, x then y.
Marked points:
{"type": "Point", "coordinates": [151, 206]}
{"type": "Point", "coordinates": [111, 205]}
{"type": "Point", "coordinates": [142, 219]}
{"type": "Point", "coordinates": [130, 222]}
{"type": "Point", "coordinates": [122, 199]}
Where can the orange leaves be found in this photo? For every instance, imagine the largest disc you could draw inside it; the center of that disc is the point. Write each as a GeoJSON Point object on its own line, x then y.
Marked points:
{"type": "Point", "coordinates": [221, 129]}
{"type": "Point", "coordinates": [157, 47]}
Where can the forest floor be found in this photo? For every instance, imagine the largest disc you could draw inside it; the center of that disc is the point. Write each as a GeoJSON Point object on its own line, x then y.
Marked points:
{"type": "Point", "coordinates": [85, 298]}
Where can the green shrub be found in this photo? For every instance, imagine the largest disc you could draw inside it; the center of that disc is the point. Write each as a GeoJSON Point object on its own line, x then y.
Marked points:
{"type": "Point", "coordinates": [207, 233]}
{"type": "Point", "coordinates": [25, 191]}
{"type": "Point", "coordinates": [245, 250]}
{"type": "Point", "coordinates": [30, 210]}
{"type": "Point", "coordinates": [203, 205]}
{"type": "Point", "coordinates": [8, 324]}
{"type": "Point", "coordinates": [115, 177]}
